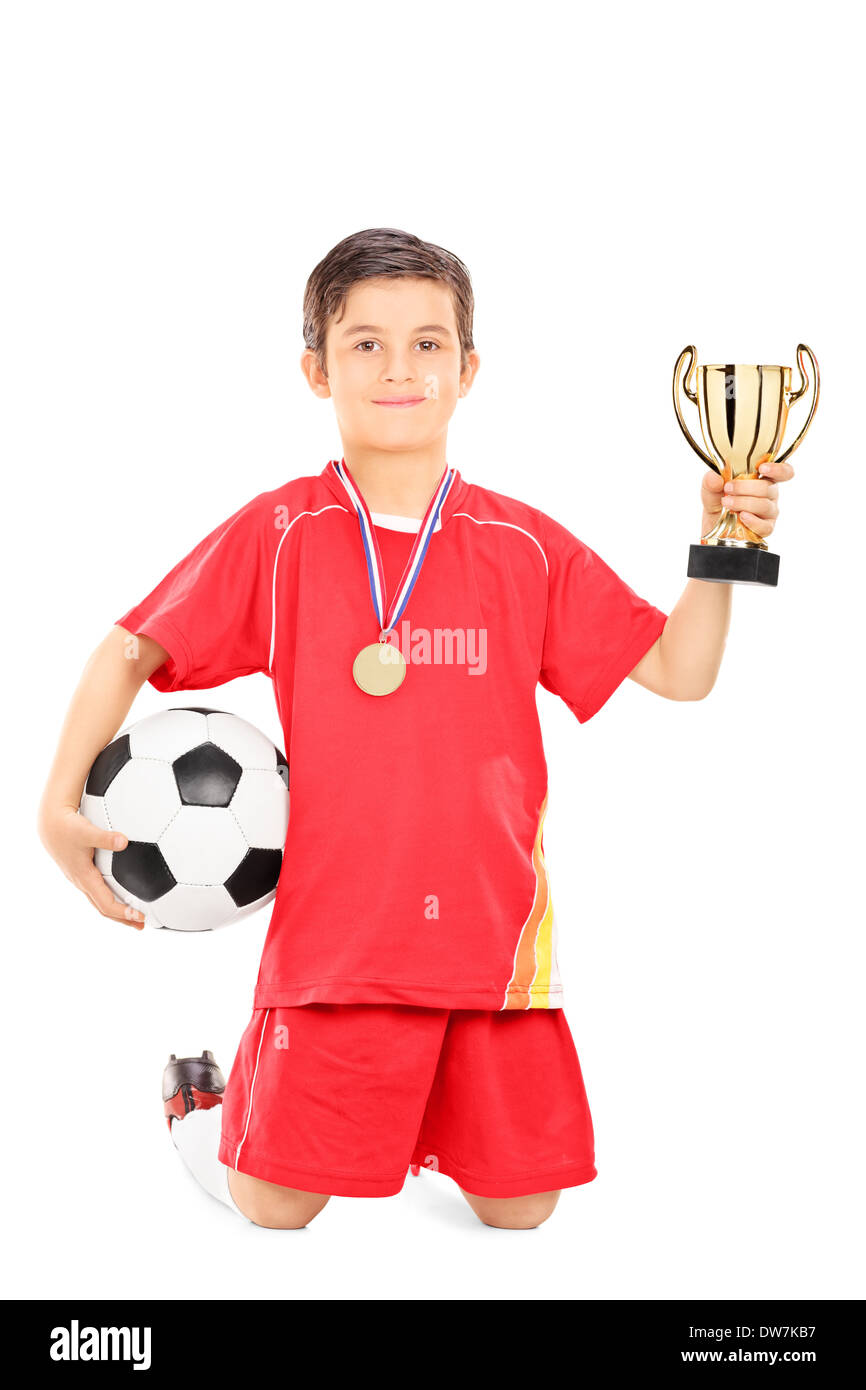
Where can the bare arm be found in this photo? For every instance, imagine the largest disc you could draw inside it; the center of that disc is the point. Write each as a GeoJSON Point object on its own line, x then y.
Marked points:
{"type": "Point", "coordinates": [113, 676]}
{"type": "Point", "coordinates": [684, 663]}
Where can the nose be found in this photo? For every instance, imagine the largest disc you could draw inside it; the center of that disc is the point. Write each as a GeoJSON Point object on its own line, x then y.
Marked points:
{"type": "Point", "coordinates": [398, 367]}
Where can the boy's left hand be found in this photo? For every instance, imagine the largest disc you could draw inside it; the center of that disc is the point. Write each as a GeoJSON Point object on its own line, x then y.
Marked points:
{"type": "Point", "coordinates": [753, 499]}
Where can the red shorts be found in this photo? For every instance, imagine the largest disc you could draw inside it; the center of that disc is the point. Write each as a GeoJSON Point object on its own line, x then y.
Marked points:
{"type": "Point", "coordinates": [342, 1098]}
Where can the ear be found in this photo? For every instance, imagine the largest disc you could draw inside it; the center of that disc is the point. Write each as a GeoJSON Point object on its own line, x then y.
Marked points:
{"type": "Point", "coordinates": [316, 378]}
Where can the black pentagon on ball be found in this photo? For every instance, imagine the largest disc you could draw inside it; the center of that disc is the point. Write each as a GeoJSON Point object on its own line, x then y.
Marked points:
{"type": "Point", "coordinates": [142, 871]}
{"type": "Point", "coordinates": [206, 776]}
{"type": "Point", "coordinates": [255, 876]}
{"type": "Point", "coordinates": [109, 762]}
{"type": "Point", "coordinates": [195, 709]}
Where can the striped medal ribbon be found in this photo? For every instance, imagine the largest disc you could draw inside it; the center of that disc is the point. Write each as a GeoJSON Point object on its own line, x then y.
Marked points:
{"type": "Point", "coordinates": [380, 668]}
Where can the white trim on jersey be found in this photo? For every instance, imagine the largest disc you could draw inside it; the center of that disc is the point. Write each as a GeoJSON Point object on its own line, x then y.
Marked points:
{"type": "Point", "coordinates": [252, 1089]}
{"type": "Point", "coordinates": [332, 506]}
{"type": "Point", "coordinates": [511, 527]}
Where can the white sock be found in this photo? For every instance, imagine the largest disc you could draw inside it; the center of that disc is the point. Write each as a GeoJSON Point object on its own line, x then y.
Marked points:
{"type": "Point", "coordinates": [196, 1138]}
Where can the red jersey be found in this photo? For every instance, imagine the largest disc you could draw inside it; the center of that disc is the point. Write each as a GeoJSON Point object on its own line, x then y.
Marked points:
{"type": "Point", "coordinates": [414, 867]}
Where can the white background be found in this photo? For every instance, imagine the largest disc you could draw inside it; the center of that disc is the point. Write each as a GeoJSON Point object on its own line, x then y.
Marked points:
{"type": "Point", "coordinates": [620, 180]}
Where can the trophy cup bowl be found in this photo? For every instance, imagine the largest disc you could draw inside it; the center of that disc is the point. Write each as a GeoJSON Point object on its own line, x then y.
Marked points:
{"type": "Point", "coordinates": [743, 411]}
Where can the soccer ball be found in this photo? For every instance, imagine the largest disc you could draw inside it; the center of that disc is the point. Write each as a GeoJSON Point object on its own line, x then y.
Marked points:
{"type": "Point", "coordinates": [203, 798]}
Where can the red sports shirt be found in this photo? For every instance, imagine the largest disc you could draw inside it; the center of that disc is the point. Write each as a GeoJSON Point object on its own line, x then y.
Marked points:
{"type": "Point", "coordinates": [414, 869]}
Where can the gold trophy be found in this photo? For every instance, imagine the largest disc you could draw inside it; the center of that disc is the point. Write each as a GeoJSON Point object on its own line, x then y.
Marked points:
{"type": "Point", "coordinates": [743, 411]}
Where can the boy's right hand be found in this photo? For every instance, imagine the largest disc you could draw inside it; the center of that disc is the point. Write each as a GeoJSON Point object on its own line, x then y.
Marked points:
{"type": "Point", "coordinates": [70, 839]}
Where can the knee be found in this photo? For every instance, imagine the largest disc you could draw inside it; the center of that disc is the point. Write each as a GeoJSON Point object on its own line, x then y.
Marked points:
{"type": "Point", "coordinates": [273, 1207]}
{"type": "Point", "coordinates": [290, 1215]}
{"type": "Point", "coordinates": [513, 1213]}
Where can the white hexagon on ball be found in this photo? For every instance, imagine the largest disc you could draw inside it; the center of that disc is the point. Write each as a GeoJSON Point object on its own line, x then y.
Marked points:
{"type": "Point", "coordinates": [142, 799]}
{"type": "Point", "coordinates": [261, 807]}
{"type": "Point", "coordinates": [93, 809]}
{"type": "Point", "coordinates": [203, 845]}
{"type": "Point", "coordinates": [189, 908]}
{"type": "Point", "coordinates": [168, 734]}
{"type": "Point", "coordinates": [242, 741]}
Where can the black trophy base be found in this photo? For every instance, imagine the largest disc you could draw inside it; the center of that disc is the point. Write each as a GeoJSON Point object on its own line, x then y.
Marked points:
{"type": "Point", "coordinates": [727, 564]}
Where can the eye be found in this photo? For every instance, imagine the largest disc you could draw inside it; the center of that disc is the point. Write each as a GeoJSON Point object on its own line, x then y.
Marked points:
{"type": "Point", "coordinates": [368, 342]}
{"type": "Point", "coordinates": [430, 343]}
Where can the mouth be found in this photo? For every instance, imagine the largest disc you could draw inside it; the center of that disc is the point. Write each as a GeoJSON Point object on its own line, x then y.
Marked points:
{"type": "Point", "coordinates": [400, 402]}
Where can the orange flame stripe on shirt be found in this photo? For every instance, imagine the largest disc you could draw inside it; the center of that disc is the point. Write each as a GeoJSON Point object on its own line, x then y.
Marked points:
{"type": "Point", "coordinates": [533, 960]}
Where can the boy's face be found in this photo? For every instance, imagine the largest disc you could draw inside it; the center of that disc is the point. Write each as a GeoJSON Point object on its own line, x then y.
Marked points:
{"type": "Point", "coordinates": [396, 341]}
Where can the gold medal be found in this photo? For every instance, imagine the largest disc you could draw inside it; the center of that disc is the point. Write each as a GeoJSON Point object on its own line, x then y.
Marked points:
{"type": "Point", "coordinates": [379, 669]}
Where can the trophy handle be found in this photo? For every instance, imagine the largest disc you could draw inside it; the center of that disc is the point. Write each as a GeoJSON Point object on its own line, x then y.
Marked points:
{"type": "Point", "coordinates": [691, 353]}
{"type": "Point", "coordinates": [801, 390]}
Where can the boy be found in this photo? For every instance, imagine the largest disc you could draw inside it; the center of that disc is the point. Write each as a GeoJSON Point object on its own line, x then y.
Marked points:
{"type": "Point", "coordinates": [408, 1008]}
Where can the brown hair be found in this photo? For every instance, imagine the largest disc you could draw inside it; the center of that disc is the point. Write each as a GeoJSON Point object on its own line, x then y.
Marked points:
{"type": "Point", "coordinates": [382, 251]}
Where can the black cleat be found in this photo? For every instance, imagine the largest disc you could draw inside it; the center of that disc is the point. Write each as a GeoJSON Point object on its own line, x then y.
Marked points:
{"type": "Point", "coordinates": [191, 1083]}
